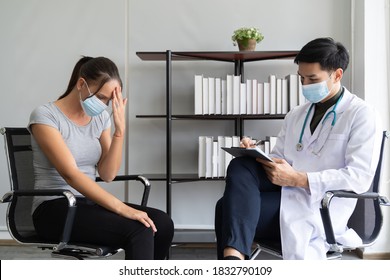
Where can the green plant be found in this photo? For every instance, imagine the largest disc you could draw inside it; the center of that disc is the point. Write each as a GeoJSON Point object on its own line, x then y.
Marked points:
{"type": "Point", "coordinates": [245, 33]}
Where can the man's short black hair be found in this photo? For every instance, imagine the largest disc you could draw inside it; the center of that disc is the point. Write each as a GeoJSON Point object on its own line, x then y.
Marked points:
{"type": "Point", "coordinates": [329, 54]}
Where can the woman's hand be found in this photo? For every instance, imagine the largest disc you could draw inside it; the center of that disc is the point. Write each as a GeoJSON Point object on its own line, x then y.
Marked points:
{"type": "Point", "coordinates": [140, 216]}
{"type": "Point", "coordinates": [118, 112]}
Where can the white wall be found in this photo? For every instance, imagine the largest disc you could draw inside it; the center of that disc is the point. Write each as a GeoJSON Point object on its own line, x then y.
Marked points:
{"type": "Point", "coordinates": [42, 39]}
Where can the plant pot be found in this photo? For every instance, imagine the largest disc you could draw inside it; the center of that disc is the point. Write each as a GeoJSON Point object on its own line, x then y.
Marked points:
{"type": "Point", "coordinates": [247, 45]}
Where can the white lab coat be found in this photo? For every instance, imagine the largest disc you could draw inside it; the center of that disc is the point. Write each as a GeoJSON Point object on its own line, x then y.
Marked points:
{"type": "Point", "coordinates": [347, 161]}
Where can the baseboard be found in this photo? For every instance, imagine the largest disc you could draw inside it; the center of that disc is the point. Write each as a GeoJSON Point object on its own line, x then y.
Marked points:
{"type": "Point", "coordinates": [373, 256]}
{"type": "Point", "coordinates": [8, 242]}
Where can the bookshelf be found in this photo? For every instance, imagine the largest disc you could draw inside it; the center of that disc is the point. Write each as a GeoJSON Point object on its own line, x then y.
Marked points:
{"type": "Point", "coordinates": [238, 59]}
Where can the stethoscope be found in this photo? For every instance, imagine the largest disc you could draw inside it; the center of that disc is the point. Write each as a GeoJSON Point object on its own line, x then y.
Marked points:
{"type": "Point", "coordinates": [299, 145]}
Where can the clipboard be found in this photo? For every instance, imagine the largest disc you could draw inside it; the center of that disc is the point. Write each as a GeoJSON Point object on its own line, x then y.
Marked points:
{"type": "Point", "coordinates": [254, 152]}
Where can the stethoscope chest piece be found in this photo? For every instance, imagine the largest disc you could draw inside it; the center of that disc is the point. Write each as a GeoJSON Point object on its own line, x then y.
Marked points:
{"type": "Point", "coordinates": [299, 147]}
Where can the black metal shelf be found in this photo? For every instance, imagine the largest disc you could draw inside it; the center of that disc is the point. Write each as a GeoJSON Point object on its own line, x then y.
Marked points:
{"type": "Point", "coordinates": [228, 56]}
{"type": "Point", "coordinates": [238, 59]}
{"type": "Point", "coordinates": [217, 117]}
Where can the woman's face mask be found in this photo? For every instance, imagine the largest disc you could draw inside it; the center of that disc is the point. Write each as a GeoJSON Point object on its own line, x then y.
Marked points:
{"type": "Point", "coordinates": [92, 105]}
{"type": "Point", "coordinates": [316, 92]}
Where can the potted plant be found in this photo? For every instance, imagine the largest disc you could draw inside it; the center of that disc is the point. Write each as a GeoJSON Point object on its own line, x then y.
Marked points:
{"type": "Point", "coordinates": [246, 38]}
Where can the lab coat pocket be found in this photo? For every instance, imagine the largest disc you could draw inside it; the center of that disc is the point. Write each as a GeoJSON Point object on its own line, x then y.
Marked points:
{"type": "Point", "coordinates": [335, 145]}
{"type": "Point", "coordinates": [334, 136]}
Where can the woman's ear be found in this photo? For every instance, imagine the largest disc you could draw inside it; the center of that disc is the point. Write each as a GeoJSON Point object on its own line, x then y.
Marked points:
{"type": "Point", "coordinates": [80, 83]}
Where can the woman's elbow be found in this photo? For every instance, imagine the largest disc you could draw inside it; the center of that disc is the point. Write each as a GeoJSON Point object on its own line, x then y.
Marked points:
{"type": "Point", "coordinates": [107, 177]}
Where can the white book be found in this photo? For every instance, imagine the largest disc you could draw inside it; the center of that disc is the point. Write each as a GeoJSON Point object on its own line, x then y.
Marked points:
{"type": "Point", "coordinates": [223, 98]}
{"type": "Point", "coordinates": [198, 94]}
{"type": "Point", "coordinates": [228, 157]}
{"type": "Point", "coordinates": [292, 85]}
{"type": "Point", "coordinates": [209, 156]}
{"type": "Point", "coordinates": [301, 98]}
{"type": "Point", "coordinates": [284, 96]}
{"type": "Point", "coordinates": [235, 141]}
{"type": "Point", "coordinates": [278, 96]}
{"type": "Point", "coordinates": [215, 160]}
{"type": "Point", "coordinates": [243, 98]}
{"type": "Point", "coordinates": [218, 96]}
{"type": "Point", "coordinates": [261, 146]}
{"type": "Point", "coordinates": [260, 98]}
{"type": "Point", "coordinates": [254, 97]}
{"type": "Point", "coordinates": [221, 156]}
{"type": "Point", "coordinates": [202, 157]}
{"type": "Point", "coordinates": [272, 142]}
{"type": "Point", "coordinates": [272, 94]}
{"type": "Point", "coordinates": [205, 96]}
{"type": "Point", "coordinates": [229, 94]}
{"type": "Point", "coordinates": [266, 148]}
{"type": "Point", "coordinates": [211, 96]}
{"type": "Point", "coordinates": [236, 94]}
{"type": "Point", "coordinates": [249, 97]}
{"type": "Point", "coordinates": [267, 108]}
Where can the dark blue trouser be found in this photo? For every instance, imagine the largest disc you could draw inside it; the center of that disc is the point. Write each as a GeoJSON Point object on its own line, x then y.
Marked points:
{"type": "Point", "coordinates": [249, 207]}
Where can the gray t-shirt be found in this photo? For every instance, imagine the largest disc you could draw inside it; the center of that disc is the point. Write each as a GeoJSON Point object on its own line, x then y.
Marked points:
{"type": "Point", "coordinates": [82, 141]}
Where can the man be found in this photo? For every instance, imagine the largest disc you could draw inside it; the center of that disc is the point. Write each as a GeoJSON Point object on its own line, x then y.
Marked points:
{"type": "Point", "coordinates": [331, 142]}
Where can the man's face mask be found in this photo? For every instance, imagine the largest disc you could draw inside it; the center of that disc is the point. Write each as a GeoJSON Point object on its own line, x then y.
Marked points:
{"type": "Point", "coordinates": [92, 105]}
{"type": "Point", "coordinates": [316, 92]}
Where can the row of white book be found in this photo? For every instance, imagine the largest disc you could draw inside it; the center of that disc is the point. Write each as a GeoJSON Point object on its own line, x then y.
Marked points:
{"type": "Point", "coordinates": [213, 161]}
{"type": "Point", "coordinates": [232, 96]}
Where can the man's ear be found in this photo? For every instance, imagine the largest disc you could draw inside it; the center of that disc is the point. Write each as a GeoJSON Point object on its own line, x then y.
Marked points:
{"type": "Point", "coordinates": [338, 75]}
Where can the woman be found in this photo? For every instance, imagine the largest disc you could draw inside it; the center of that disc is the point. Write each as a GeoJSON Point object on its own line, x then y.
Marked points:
{"type": "Point", "coordinates": [71, 140]}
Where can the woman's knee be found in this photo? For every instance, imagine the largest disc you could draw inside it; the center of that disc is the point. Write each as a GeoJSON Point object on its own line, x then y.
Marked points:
{"type": "Point", "coordinates": [162, 221]}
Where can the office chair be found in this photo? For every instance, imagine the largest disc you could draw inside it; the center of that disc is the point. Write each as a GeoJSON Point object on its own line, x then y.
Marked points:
{"type": "Point", "coordinates": [20, 197]}
{"type": "Point", "coordinates": [370, 202]}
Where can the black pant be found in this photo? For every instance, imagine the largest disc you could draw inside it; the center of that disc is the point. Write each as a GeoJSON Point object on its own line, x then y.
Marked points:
{"type": "Point", "coordinates": [94, 224]}
{"type": "Point", "coordinates": [249, 208]}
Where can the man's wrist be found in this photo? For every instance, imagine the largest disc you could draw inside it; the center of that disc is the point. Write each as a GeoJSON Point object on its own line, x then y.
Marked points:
{"type": "Point", "coordinates": [302, 180]}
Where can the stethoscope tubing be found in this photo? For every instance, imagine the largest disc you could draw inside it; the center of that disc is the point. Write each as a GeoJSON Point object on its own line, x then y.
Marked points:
{"type": "Point", "coordinates": [299, 145]}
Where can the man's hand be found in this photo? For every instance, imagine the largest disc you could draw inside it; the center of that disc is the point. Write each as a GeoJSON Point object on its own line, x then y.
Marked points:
{"type": "Point", "coordinates": [247, 142]}
{"type": "Point", "coordinates": [281, 173]}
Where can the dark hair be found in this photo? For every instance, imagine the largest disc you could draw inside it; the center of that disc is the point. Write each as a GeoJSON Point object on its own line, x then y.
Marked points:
{"type": "Point", "coordinates": [94, 70]}
{"type": "Point", "coordinates": [329, 54]}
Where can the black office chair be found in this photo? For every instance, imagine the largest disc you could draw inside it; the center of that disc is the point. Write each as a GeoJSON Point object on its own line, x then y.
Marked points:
{"type": "Point", "coordinates": [20, 197]}
{"type": "Point", "coordinates": [369, 202]}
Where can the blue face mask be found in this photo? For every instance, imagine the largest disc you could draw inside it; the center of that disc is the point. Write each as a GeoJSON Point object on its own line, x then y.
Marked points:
{"type": "Point", "coordinates": [92, 105]}
{"type": "Point", "coordinates": [315, 92]}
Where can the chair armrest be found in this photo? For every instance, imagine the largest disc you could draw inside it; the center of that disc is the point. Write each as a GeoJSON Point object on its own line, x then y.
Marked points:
{"type": "Point", "coordinates": [325, 214]}
{"type": "Point", "coordinates": [68, 225]}
{"type": "Point", "coordinates": [140, 178]}
{"type": "Point", "coordinates": [7, 197]}
{"type": "Point", "coordinates": [350, 194]}
{"type": "Point", "coordinates": [49, 192]}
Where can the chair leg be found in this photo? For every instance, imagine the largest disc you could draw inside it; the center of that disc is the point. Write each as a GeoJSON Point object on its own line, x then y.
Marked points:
{"type": "Point", "coordinates": [255, 252]}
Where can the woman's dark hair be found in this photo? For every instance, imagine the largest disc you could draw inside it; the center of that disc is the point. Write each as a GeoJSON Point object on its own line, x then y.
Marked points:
{"type": "Point", "coordinates": [98, 70]}
{"type": "Point", "coordinates": [329, 54]}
